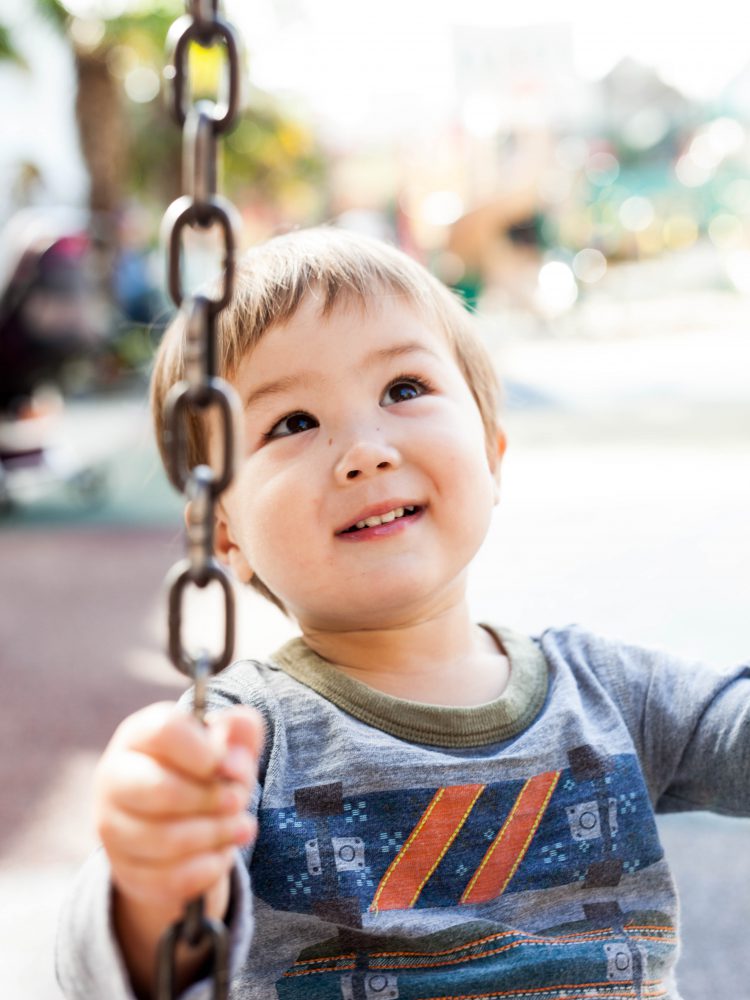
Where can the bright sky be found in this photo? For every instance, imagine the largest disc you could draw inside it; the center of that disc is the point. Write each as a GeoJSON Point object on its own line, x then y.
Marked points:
{"type": "Point", "coordinates": [344, 57]}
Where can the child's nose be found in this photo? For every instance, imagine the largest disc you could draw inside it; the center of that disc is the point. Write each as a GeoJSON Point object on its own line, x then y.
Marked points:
{"type": "Point", "coordinates": [364, 459]}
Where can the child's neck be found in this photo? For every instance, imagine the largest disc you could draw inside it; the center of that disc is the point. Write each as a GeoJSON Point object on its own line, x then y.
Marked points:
{"type": "Point", "coordinates": [440, 659]}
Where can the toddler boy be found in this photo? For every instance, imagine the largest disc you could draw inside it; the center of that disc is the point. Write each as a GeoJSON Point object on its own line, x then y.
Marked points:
{"type": "Point", "coordinates": [435, 808]}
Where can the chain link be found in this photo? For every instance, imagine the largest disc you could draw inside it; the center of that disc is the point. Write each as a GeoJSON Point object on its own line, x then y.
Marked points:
{"type": "Point", "coordinates": [183, 397]}
{"type": "Point", "coordinates": [200, 207]}
{"type": "Point", "coordinates": [186, 212]}
{"type": "Point", "coordinates": [186, 30]}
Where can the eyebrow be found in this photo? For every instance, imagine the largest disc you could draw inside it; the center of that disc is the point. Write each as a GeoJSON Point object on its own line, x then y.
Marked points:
{"type": "Point", "coordinates": [303, 379]}
{"type": "Point", "coordinates": [398, 350]}
{"type": "Point", "coordinates": [279, 385]}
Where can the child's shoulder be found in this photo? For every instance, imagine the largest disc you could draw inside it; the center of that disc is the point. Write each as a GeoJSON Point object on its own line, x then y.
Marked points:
{"type": "Point", "coordinates": [608, 657]}
{"type": "Point", "coordinates": [263, 683]}
{"type": "Point", "coordinates": [247, 681]}
{"type": "Point", "coordinates": [628, 671]}
{"type": "Point", "coordinates": [638, 677]}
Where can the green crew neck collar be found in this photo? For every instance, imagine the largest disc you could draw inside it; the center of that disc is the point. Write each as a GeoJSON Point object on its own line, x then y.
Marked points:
{"type": "Point", "coordinates": [433, 725]}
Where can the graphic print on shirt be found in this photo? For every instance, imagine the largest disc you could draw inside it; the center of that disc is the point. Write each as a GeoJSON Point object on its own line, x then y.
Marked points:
{"type": "Point", "coordinates": [591, 959]}
{"type": "Point", "coordinates": [345, 859]}
{"type": "Point", "coordinates": [340, 856]}
{"type": "Point", "coordinates": [436, 830]}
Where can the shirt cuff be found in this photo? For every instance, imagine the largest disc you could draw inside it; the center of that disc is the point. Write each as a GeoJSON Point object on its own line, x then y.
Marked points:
{"type": "Point", "coordinates": [88, 958]}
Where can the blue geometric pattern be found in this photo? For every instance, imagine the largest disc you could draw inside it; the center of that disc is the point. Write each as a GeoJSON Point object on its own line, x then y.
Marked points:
{"type": "Point", "coordinates": [613, 812]}
{"type": "Point", "coordinates": [580, 963]}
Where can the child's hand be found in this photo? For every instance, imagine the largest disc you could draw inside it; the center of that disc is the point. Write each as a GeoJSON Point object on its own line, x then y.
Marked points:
{"type": "Point", "coordinates": [171, 798]}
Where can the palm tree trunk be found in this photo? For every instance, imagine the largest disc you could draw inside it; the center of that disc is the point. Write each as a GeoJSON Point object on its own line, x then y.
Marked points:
{"type": "Point", "coordinates": [102, 129]}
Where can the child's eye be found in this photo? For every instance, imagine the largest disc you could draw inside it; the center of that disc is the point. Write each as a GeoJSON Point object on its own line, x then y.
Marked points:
{"type": "Point", "coordinates": [403, 388]}
{"type": "Point", "coordinates": [293, 423]}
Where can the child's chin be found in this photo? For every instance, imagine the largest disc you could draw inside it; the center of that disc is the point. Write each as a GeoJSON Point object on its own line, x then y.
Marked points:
{"type": "Point", "coordinates": [384, 604]}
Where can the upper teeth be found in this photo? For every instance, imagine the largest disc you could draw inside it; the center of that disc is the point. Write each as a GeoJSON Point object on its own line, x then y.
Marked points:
{"type": "Point", "coordinates": [371, 522]}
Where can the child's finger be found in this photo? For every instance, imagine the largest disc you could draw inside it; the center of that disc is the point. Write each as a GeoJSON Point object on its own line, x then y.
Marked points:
{"type": "Point", "coordinates": [238, 733]}
{"type": "Point", "coordinates": [137, 783]}
{"type": "Point", "coordinates": [136, 839]}
{"type": "Point", "coordinates": [173, 737]}
{"type": "Point", "coordinates": [240, 725]}
{"type": "Point", "coordinates": [174, 883]}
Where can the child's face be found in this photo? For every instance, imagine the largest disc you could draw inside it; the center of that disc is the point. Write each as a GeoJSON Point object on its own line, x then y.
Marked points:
{"type": "Point", "coordinates": [356, 415]}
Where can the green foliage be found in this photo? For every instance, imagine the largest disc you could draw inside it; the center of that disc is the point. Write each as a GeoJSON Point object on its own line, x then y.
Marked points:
{"type": "Point", "coordinates": [145, 30]}
{"type": "Point", "coordinates": [154, 173]}
{"type": "Point", "coordinates": [54, 12]}
{"type": "Point", "coordinates": [270, 155]}
{"type": "Point", "coordinates": [8, 50]}
{"type": "Point", "coordinates": [269, 151]}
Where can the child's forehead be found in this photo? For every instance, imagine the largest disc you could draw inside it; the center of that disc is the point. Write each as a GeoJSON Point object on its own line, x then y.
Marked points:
{"type": "Point", "coordinates": [378, 318]}
{"type": "Point", "coordinates": [380, 303]}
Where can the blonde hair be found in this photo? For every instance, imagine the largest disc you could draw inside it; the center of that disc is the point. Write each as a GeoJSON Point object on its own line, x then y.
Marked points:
{"type": "Point", "coordinates": [338, 267]}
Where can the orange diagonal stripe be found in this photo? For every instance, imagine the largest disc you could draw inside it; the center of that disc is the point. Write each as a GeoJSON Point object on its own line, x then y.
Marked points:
{"type": "Point", "coordinates": [507, 850]}
{"type": "Point", "coordinates": [436, 830]}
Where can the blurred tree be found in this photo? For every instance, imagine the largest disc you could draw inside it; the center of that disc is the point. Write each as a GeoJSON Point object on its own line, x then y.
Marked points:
{"type": "Point", "coordinates": [7, 48]}
{"type": "Point", "coordinates": [271, 165]}
{"type": "Point", "coordinates": [104, 51]}
{"type": "Point", "coordinates": [128, 139]}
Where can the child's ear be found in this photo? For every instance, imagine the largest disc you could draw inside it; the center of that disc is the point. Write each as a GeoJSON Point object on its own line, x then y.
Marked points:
{"type": "Point", "coordinates": [226, 548]}
{"type": "Point", "coordinates": [497, 460]}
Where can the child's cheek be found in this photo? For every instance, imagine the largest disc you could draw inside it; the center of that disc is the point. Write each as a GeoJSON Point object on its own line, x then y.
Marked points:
{"type": "Point", "coordinates": [282, 525]}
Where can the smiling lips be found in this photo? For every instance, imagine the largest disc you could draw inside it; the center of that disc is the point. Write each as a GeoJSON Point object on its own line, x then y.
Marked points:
{"type": "Point", "coordinates": [383, 520]}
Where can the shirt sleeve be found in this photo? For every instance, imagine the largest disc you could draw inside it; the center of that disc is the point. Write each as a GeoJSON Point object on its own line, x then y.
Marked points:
{"type": "Point", "coordinates": [689, 722]}
{"type": "Point", "coordinates": [88, 958]}
{"type": "Point", "coordinates": [89, 962]}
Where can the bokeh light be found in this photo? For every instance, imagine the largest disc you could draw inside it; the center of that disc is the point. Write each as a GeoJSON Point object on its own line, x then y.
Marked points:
{"type": "Point", "coordinates": [636, 214]}
{"type": "Point", "coordinates": [557, 289]}
{"type": "Point", "coordinates": [142, 84]}
{"type": "Point", "coordinates": [602, 169]}
{"type": "Point", "coordinates": [590, 265]}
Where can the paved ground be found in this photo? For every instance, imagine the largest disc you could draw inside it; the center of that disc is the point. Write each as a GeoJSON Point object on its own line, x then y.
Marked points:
{"type": "Point", "coordinates": [625, 507]}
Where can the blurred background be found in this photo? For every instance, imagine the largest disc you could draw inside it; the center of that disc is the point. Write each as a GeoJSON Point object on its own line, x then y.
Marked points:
{"type": "Point", "coordinates": [580, 174]}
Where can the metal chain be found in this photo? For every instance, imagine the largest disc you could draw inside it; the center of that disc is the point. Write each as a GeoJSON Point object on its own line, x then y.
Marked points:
{"type": "Point", "coordinates": [200, 207]}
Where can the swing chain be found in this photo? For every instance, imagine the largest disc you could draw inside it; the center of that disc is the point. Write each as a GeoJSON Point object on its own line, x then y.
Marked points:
{"type": "Point", "coordinates": [188, 402]}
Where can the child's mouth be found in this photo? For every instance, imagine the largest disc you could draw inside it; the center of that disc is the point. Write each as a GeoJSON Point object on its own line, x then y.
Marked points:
{"type": "Point", "coordinates": [383, 520]}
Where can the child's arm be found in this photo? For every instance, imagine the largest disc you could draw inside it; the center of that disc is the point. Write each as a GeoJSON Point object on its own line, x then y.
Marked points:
{"type": "Point", "coordinates": [171, 799]}
{"type": "Point", "coordinates": [690, 724]}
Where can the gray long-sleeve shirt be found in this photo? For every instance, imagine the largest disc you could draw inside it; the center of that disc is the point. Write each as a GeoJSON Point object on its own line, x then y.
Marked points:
{"type": "Point", "coordinates": [413, 851]}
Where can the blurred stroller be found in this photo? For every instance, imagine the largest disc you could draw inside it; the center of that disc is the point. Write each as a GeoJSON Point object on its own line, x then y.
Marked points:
{"type": "Point", "coordinates": [48, 323]}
